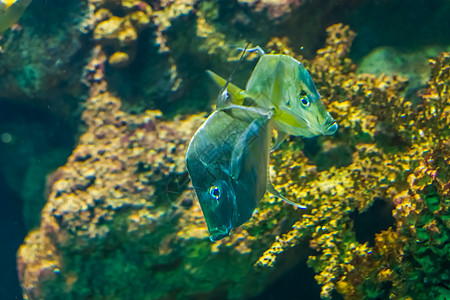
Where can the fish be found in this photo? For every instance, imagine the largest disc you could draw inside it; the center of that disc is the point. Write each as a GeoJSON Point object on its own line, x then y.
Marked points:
{"type": "Point", "coordinates": [227, 160]}
{"type": "Point", "coordinates": [227, 178]}
{"type": "Point", "coordinates": [10, 12]}
{"type": "Point", "coordinates": [282, 84]}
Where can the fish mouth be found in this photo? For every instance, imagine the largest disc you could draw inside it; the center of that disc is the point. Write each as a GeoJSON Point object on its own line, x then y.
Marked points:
{"type": "Point", "coordinates": [330, 127]}
{"type": "Point", "coordinates": [219, 233]}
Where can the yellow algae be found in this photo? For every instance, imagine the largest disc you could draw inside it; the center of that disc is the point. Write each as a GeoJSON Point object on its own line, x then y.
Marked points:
{"type": "Point", "coordinates": [374, 172]}
{"type": "Point", "coordinates": [119, 59]}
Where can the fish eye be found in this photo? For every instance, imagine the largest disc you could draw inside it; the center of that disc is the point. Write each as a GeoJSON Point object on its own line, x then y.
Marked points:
{"type": "Point", "coordinates": [304, 99]}
{"type": "Point", "coordinates": [214, 191]}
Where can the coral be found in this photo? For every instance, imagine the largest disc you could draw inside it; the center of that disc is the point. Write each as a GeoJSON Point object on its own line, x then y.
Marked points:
{"type": "Point", "coordinates": [119, 23]}
{"type": "Point", "coordinates": [121, 33]}
{"type": "Point", "coordinates": [435, 108]}
{"type": "Point", "coordinates": [411, 261]}
{"type": "Point", "coordinates": [120, 222]}
{"type": "Point", "coordinates": [400, 154]}
{"type": "Point", "coordinates": [41, 62]}
{"type": "Point", "coordinates": [111, 230]}
{"type": "Point", "coordinates": [109, 227]}
{"type": "Point", "coordinates": [156, 48]}
{"type": "Point", "coordinates": [131, 28]}
{"type": "Point", "coordinates": [41, 59]}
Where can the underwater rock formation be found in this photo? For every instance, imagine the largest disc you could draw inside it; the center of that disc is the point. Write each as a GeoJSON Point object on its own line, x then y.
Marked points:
{"type": "Point", "coordinates": [31, 146]}
{"type": "Point", "coordinates": [176, 39]}
{"type": "Point", "coordinates": [110, 229]}
{"type": "Point", "coordinates": [392, 61]}
{"type": "Point", "coordinates": [41, 62]}
{"type": "Point", "coordinates": [120, 32]}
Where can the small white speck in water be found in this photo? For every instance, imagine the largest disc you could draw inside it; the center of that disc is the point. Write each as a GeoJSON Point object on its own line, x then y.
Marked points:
{"type": "Point", "coordinates": [6, 137]}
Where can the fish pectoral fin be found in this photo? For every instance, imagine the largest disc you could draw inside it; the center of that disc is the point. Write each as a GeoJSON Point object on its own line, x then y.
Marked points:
{"type": "Point", "coordinates": [238, 154]}
{"type": "Point", "coordinates": [287, 118]}
{"type": "Point", "coordinates": [235, 163]}
{"type": "Point", "coordinates": [243, 143]}
{"type": "Point", "coordinates": [271, 189]}
{"type": "Point", "coordinates": [281, 136]}
{"type": "Point", "coordinates": [237, 94]}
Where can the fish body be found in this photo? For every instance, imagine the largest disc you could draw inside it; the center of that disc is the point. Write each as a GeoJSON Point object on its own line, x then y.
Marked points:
{"type": "Point", "coordinates": [227, 160]}
{"type": "Point", "coordinates": [281, 83]}
{"type": "Point", "coordinates": [228, 156]}
{"type": "Point", "coordinates": [10, 12]}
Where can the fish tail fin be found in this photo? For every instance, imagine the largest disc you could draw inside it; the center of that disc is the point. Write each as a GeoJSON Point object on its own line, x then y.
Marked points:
{"type": "Point", "coordinates": [277, 194]}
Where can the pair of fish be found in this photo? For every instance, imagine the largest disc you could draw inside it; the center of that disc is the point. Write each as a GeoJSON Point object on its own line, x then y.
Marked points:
{"type": "Point", "coordinates": [228, 156]}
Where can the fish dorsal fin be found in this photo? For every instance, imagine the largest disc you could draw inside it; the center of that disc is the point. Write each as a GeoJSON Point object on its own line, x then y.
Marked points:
{"type": "Point", "coordinates": [224, 97]}
{"type": "Point", "coordinates": [271, 189]}
{"type": "Point", "coordinates": [7, 3]}
{"type": "Point", "coordinates": [235, 94]}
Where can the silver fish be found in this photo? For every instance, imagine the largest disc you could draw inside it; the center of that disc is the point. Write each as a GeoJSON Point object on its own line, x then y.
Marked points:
{"type": "Point", "coordinates": [281, 83]}
{"type": "Point", "coordinates": [227, 170]}
{"type": "Point", "coordinates": [227, 160]}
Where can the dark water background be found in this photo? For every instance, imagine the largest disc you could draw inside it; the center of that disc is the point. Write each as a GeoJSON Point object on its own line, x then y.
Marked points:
{"type": "Point", "coordinates": [404, 24]}
{"type": "Point", "coordinates": [41, 140]}
{"type": "Point", "coordinates": [12, 233]}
